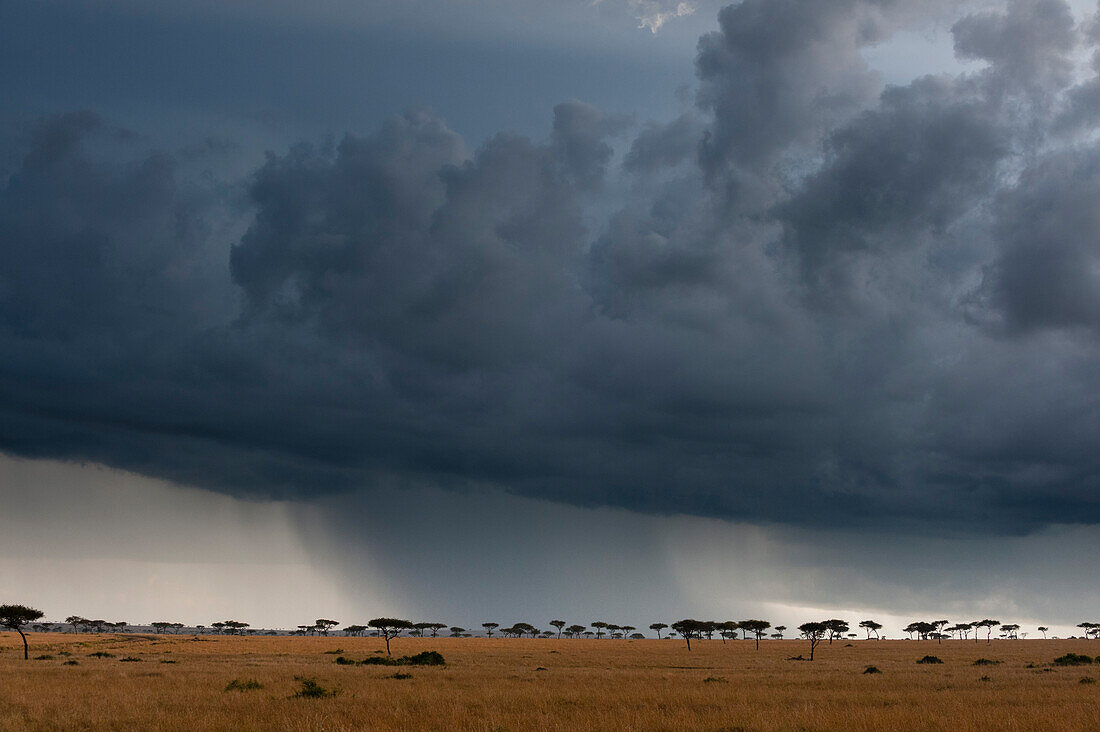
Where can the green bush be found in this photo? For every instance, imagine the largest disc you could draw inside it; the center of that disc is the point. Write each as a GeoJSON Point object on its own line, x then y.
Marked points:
{"type": "Point", "coordinates": [425, 658]}
{"type": "Point", "coordinates": [1073, 659]}
{"type": "Point", "coordinates": [243, 685]}
{"type": "Point", "coordinates": [310, 689]}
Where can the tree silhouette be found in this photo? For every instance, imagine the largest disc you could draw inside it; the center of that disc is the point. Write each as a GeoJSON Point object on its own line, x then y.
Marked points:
{"type": "Point", "coordinates": [989, 625]}
{"type": "Point", "coordinates": [814, 632]}
{"type": "Point", "coordinates": [14, 617]}
{"type": "Point", "coordinates": [627, 628]}
{"type": "Point", "coordinates": [688, 629]}
{"type": "Point", "coordinates": [1091, 629]}
{"type": "Point", "coordinates": [756, 627]}
{"type": "Point", "coordinates": [1010, 630]}
{"type": "Point", "coordinates": [658, 627]}
{"type": "Point", "coordinates": [489, 628]}
{"type": "Point", "coordinates": [354, 630]}
{"type": "Point", "coordinates": [559, 624]}
{"type": "Point", "coordinates": [871, 627]}
{"type": "Point", "coordinates": [389, 628]}
{"type": "Point", "coordinates": [779, 630]}
{"type": "Point", "coordinates": [574, 630]}
{"type": "Point", "coordinates": [600, 627]}
{"type": "Point", "coordinates": [1043, 629]}
{"type": "Point", "coordinates": [456, 632]}
{"type": "Point", "coordinates": [324, 625]}
{"type": "Point", "coordinates": [835, 628]}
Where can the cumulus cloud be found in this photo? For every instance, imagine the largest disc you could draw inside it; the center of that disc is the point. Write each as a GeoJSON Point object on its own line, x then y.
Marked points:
{"type": "Point", "coordinates": [811, 299]}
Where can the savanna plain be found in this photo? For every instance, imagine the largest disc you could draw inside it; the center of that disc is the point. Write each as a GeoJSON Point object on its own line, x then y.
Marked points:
{"type": "Point", "coordinates": [106, 682]}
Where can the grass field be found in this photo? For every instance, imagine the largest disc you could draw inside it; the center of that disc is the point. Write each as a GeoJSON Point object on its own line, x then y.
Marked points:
{"type": "Point", "coordinates": [179, 682]}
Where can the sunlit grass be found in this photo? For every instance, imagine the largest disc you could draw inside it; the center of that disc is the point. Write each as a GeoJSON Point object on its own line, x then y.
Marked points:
{"type": "Point", "coordinates": [541, 684]}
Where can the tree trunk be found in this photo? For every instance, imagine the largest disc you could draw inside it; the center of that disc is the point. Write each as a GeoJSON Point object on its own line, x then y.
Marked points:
{"type": "Point", "coordinates": [26, 654]}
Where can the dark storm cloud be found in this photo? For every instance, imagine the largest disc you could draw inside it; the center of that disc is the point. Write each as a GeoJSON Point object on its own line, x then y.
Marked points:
{"type": "Point", "coordinates": [809, 300]}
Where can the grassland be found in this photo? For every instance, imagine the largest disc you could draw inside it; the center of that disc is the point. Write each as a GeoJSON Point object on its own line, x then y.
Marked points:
{"type": "Point", "coordinates": [179, 682]}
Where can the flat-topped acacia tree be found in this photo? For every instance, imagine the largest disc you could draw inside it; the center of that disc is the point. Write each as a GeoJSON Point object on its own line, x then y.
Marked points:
{"type": "Point", "coordinates": [756, 627]}
{"type": "Point", "coordinates": [658, 627]}
{"type": "Point", "coordinates": [489, 628]}
{"type": "Point", "coordinates": [559, 624]}
{"type": "Point", "coordinates": [14, 617]}
{"type": "Point", "coordinates": [324, 625]}
{"type": "Point", "coordinates": [689, 628]}
{"type": "Point", "coordinates": [390, 628]}
{"type": "Point", "coordinates": [814, 632]}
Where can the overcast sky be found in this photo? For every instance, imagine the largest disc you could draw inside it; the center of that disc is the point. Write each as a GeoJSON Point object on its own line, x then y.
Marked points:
{"type": "Point", "coordinates": [621, 310]}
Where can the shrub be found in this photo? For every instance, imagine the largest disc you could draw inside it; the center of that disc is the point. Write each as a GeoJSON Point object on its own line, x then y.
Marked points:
{"type": "Point", "coordinates": [344, 661]}
{"type": "Point", "coordinates": [985, 662]}
{"type": "Point", "coordinates": [426, 658]}
{"type": "Point", "coordinates": [1087, 680]}
{"type": "Point", "coordinates": [380, 661]}
{"type": "Point", "coordinates": [1073, 659]}
{"type": "Point", "coordinates": [400, 675]}
{"type": "Point", "coordinates": [310, 689]}
{"type": "Point", "coordinates": [930, 659]}
{"type": "Point", "coordinates": [714, 680]}
{"type": "Point", "coordinates": [333, 653]}
{"type": "Point", "coordinates": [101, 654]}
{"type": "Point", "coordinates": [167, 660]}
{"type": "Point", "coordinates": [44, 657]}
{"type": "Point", "coordinates": [872, 670]}
{"type": "Point", "coordinates": [985, 678]}
{"type": "Point", "coordinates": [243, 685]}
{"type": "Point", "coordinates": [71, 663]}
{"type": "Point", "coordinates": [130, 659]}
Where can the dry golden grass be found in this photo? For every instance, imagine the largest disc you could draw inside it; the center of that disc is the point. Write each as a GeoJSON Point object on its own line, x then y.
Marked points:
{"type": "Point", "coordinates": [497, 684]}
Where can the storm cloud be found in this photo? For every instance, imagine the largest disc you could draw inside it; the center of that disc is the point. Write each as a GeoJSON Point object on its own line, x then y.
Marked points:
{"type": "Point", "coordinates": [812, 298]}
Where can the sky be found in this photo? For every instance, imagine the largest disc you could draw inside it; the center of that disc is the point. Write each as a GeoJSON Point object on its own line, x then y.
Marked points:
{"type": "Point", "coordinates": [628, 310]}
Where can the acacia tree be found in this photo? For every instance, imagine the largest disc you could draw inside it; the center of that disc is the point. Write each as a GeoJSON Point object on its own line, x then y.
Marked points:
{"type": "Point", "coordinates": [688, 629]}
{"type": "Point", "coordinates": [1091, 629]}
{"type": "Point", "coordinates": [323, 625]}
{"type": "Point", "coordinates": [574, 630]}
{"type": "Point", "coordinates": [389, 628]}
{"type": "Point", "coordinates": [871, 627]}
{"type": "Point", "coordinates": [354, 630]}
{"type": "Point", "coordinates": [626, 629]}
{"type": "Point", "coordinates": [779, 631]}
{"type": "Point", "coordinates": [814, 632]}
{"type": "Point", "coordinates": [489, 628]}
{"type": "Point", "coordinates": [559, 624]}
{"type": "Point", "coordinates": [989, 625]}
{"type": "Point", "coordinates": [658, 627]}
{"type": "Point", "coordinates": [14, 617]}
{"type": "Point", "coordinates": [756, 627]}
{"type": "Point", "coordinates": [600, 627]}
{"type": "Point", "coordinates": [456, 632]}
{"type": "Point", "coordinates": [1010, 630]}
{"type": "Point", "coordinates": [835, 628]}
{"type": "Point", "coordinates": [1043, 629]}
